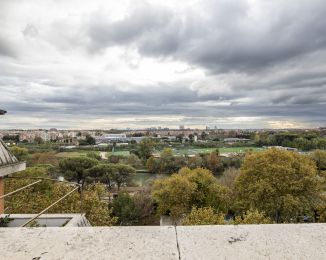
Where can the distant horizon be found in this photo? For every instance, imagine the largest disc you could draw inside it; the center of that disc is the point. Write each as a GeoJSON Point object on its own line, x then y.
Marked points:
{"type": "Point", "coordinates": [151, 129]}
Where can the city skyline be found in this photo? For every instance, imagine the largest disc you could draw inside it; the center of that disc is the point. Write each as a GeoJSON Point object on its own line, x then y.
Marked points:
{"type": "Point", "coordinates": [138, 64]}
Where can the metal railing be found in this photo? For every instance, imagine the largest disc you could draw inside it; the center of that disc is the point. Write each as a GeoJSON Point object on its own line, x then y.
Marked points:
{"type": "Point", "coordinates": [22, 188]}
{"type": "Point", "coordinates": [40, 179]}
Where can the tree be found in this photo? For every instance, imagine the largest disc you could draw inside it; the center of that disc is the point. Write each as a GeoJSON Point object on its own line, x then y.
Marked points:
{"type": "Point", "coordinates": [38, 140]}
{"type": "Point", "coordinates": [125, 209]}
{"type": "Point", "coordinates": [122, 173]}
{"type": "Point", "coordinates": [252, 217]}
{"type": "Point", "coordinates": [101, 173]}
{"type": "Point", "coordinates": [152, 165]}
{"type": "Point", "coordinates": [228, 177]}
{"type": "Point", "coordinates": [203, 216]}
{"type": "Point", "coordinates": [11, 138]}
{"type": "Point", "coordinates": [302, 143]}
{"type": "Point", "coordinates": [213, 163]}
{"type": "Point", "coordinates": [97, 211]}
{"type": "Point", "coordinates": [20, 153]}
{"type": "Point", "coordinates": [145, 148]}
{"type": "Point", "coordinates": [94, 155]}
{"type": "Point", "coordinates": [110, 173]}
{"type": "Point", "coordinates": [195, 162]}
{"type": "Point", "coordinates": [177, 194]}
{"type": "Point", "coordinates": [280, 183]}
{"type": "Point", "coordinates": [180, 137]}
{"type": "Point", "coordinates": [167, 161]}
{"type": "Point", "coordinates": [39, 196]}
{"type": "Point", "coordinates": [319, 156]}
{"type": "Point", "coordinates": [145, 204]}
{"type": "Point", "coordinates": [191, 138]}
{"type": "Point", "coordinates": [76, 168]}
{"type": "Point", "coordinates": [173, 195]}
{"type": "Point", "coordinates": [133, 161]}
{"type": "Point", "coordinates": [90, 140]}
{"type": "Point", "coordinates": [203, 135]}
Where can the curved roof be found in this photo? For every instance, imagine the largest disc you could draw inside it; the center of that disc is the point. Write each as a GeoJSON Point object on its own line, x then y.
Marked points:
{"type": "Point", "coordinates": [6, 157]}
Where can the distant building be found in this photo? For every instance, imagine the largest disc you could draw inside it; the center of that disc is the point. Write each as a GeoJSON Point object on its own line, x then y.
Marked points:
{"type": "Point", "coordinates": [283, 148]}
{"type": "Point", "coordinates": [235, 140]}
{"type": "Point", "coordinates": [181, 127]}
{"type": "Point", "coordinates": [110, 138]}
{"type": "Point", "coordinates": [113, 137]}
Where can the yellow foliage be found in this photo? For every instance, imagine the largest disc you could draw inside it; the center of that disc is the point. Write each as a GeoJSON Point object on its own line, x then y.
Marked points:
{"type": "Point", "coordinates": [177, 194]}
{"type": "Point", "coordinates": [252, 217]}
{"type": "Point", "coordinates": [203, 216]}
{"type": "Point", "coordinates": [36, 198]}
{"type": "Point", "coordinates": [282, 184]}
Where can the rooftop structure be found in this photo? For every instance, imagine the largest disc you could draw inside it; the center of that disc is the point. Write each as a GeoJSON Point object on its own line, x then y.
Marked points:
{"type": "Point", "coordinates": [48, 220]}
{"type": "Point", "coordinates": [275, 241]}
{"type": "Point", "coordinates": [6, 157]}
{"type": "Point", "coordinates": [8, 164]}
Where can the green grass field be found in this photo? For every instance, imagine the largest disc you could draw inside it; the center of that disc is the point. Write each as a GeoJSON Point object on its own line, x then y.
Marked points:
{"type": "Point", "coordinates": [222, 150]}
{"type": "Point", "coordinates": [121, 153]}
{"type": "Point", "coordinates": [176, 151]}
{"type": "Point", "coordinates": [72, 154]}
{"type": "Point", "coordinates": [83, 153]}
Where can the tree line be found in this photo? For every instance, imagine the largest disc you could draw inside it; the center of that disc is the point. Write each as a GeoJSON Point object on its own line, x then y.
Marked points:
{"type": "Point", "coordinates": [272, 186]}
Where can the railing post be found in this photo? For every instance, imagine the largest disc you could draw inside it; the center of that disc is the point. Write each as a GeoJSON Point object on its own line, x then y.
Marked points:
{"type": "Point", "coordinates": [2, 192]}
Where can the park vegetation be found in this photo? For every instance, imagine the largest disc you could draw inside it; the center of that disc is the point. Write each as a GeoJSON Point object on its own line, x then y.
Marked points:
{"type": "Point", "coordinates": [270, 186]}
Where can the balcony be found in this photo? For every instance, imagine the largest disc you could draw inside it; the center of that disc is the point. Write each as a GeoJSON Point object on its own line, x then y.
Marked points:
{"type": "Point", "coordinates": [277, 241]}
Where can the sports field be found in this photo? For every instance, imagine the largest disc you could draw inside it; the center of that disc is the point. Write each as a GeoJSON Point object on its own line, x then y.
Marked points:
{"type": "Point", "coordinates": [121, 153]}
{"type": "Point", "coordinates": [83, 153]}
{"type": "Point", "coordinates": [71, 154]}
{"type": "Point", "coordinates": [222, 150]}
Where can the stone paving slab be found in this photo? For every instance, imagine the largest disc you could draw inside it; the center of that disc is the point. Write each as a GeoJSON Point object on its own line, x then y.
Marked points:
{"type": "Point", "coordinates": [88, 243]}
{"type": "Point", "coordinates": [284, 241]}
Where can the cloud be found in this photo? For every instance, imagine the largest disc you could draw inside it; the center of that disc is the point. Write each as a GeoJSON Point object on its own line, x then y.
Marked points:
{"type": "Point", "coordinates": [230, 63]}
{"type": "Point", "coordinates": [222, 35]}
{"type": "Point", "coordinates": [5, 48]}
{"type": "Point", "coordinates": [30, 31]}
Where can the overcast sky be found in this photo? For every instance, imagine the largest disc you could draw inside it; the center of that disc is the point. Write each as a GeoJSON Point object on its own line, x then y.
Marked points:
{"type": "Point", "coordinates": [116, 64]}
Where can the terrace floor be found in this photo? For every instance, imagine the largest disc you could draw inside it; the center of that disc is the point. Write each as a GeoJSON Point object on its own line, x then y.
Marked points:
{"type": "Point", "coordinates": [286, 241]}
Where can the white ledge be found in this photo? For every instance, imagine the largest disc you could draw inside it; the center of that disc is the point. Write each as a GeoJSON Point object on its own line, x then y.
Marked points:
{"type": "Point", "coordinates": [286, 241]}
{"type": "Point", "coordinates": [12, 168]}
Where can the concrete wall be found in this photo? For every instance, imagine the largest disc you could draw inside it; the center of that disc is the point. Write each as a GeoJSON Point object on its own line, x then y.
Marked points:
{"type": "Point", "coordinates": [50, 220]}
{"type": "Point", "coordinates": [12, 168]}
{"type": "Point", "coordinates": [286, 241]}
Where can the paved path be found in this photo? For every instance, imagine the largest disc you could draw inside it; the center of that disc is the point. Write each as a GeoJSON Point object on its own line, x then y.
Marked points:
{"type": "Point", "coordinates": [103, 155]}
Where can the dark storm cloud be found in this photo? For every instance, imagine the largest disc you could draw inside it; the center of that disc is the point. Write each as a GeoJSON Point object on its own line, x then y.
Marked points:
{"type": "Point", "coordinates": [145, 20]}
{"type": "Point", "coordinates": [5, 48]}
{"type": "Point", "coordinates": [259, 59]}
{"type": "Point", "coordinates": [224, 37]}
{"type": "Point", "coordinates": [162, 100]}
